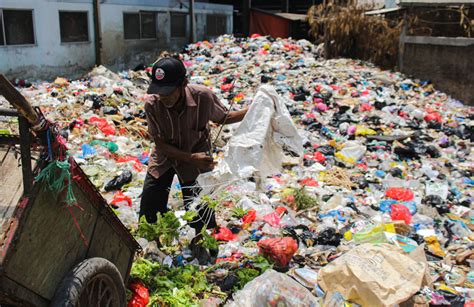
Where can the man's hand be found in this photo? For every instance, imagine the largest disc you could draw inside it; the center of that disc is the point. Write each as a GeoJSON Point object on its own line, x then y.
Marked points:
{"type": "Point", "coordinates": [202, 161]}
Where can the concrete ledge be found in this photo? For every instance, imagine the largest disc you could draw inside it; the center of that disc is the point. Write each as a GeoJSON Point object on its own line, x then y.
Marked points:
{"type": "Point", "coordinates": [437, 40]}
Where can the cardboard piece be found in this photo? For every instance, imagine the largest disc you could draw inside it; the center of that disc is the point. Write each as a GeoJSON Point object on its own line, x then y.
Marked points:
{"type": "Point", "coordinates": [373, 275]}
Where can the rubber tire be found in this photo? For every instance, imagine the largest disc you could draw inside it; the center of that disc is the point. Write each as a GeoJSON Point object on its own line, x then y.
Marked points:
{"type": "Point", "coordinates": [69, 291]}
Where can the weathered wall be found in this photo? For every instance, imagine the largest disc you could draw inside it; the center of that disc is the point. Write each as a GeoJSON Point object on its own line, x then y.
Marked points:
{"type": "Point", "coordinates": [48, 57]}
{"type": "Point", "coordinates": [119, 53]}
{"type": "Point", "coordinates": [447, 62]}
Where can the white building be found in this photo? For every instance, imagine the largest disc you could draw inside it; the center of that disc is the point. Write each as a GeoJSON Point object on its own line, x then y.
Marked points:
{"type": "Point", "coordinates": [47, 38]}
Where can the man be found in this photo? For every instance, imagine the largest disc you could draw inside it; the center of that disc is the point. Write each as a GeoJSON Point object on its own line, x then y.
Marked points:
{"type": "Point", "coordinates": [178, 118]}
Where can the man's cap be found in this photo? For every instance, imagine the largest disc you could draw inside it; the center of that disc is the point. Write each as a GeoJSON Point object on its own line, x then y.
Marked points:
{"type": "Point", "coordinates": [166, 75]}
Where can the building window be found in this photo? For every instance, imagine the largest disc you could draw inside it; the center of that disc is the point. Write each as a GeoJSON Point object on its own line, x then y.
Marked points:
{"type": "Point", "coordinates": [139, 25]}
{"type": "Point", "coordinates": [216, 25]}
{"type": "Point", "coordinates": [148, 25]}
{"type": "Point", "coordinates": [178, 25]}
{"type": "Point", "coordinates": [17, 27]}
{"type": "Point", "coordinates": [131, 26]}
{"type": "Point", "coordinates": [74, 27]}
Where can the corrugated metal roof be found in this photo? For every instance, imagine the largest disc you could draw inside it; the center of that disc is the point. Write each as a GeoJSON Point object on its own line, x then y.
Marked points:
{"type": "Point", "coordinates": [383, 11]}
{"type": "Point", "coordinates": [292, 16]}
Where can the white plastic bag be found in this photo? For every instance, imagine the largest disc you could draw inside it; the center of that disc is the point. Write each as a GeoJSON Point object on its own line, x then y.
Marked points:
{"type": "Point", "coordinates": [273, 289]}
{"type": "Point", "coordinates": [256, 148]}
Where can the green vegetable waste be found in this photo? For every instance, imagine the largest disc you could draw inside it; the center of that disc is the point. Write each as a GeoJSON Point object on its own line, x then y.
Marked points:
{"type": "Point", "coordinates": [164, 231]}
{"type": "Point", "coordinates": [181, 286]}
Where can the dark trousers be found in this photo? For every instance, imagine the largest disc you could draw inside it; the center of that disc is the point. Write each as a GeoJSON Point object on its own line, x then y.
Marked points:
{"type": "Point", "coordinates": [155, 199]}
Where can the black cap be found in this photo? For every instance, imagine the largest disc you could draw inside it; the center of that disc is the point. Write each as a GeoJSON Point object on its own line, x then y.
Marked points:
{"type": "Point", "coordinates": [166, 75]}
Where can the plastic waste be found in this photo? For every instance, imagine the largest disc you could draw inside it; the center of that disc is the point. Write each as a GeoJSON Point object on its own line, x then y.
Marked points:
{"type": "Point", "coordinates": [279, 250]}
{"type": "Point", "coordinates": [400, 194]}
{"type": "Point", "coordinates": [119, 181]}
{"type": "Point", "coordinates": [273, 289]}
{"type": "Point", "coordinates": [224, 234]}
{"type": "Point", "coordinates": [140, 296]}
{"type": "Point", "coordinates": [400, 213]}
{"type": "Point", "coordinates": [121, 200]}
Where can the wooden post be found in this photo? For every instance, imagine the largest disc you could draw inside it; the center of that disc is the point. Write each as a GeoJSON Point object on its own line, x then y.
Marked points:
{"type": "Point", "coordinates": [97, 34]}
{"type": "Point", "coordinates": [192, 22]}
{"type": "Point", "coordinates": [25, 144]}
{"type": "Point", "coordinates": [401, 43]}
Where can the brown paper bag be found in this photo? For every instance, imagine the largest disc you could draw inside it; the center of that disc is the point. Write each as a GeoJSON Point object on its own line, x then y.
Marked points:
{"type": "Point", "coordinates": [373, 275]}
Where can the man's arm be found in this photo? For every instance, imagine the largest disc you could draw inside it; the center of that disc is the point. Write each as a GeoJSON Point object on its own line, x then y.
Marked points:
{"type": "Point", "coordinates": [235, 116]}
{"type": "Point", "coordinates": [200, 159]}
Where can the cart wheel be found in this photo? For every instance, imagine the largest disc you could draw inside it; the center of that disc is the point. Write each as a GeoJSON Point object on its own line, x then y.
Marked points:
{"type": "Point", "coordinates": [94, 282]}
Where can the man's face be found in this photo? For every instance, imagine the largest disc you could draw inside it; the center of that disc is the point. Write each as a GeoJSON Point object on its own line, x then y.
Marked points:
{"type": "Point", "coordinates": [170, 100]}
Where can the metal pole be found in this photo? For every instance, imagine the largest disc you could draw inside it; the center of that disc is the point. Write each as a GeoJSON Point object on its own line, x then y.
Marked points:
{"type": "Point", "coordinates": [97, 34]}
{"type": "Point", "coordinates": [246, 17]}
{"type": "Point", "coordinates": [192, 34]}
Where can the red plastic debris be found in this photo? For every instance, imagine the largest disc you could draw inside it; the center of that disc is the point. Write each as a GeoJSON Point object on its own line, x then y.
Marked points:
{"type": "Point", "coordinates": [434, 116]}
{"type": "Point", "coordinates": [226, 87]}
{"type": "Point", "coordinates": [121, 199]}
{"type": "Point", "coordinates": [279, 250]}
{"type": "Point", "coordinates": [103, 125]}
{"type": "Point", "coordinates": [141, 296]}
{"type": "Point", "coordinates": [401, 213]}
{"type": "Point", "coordinates": [365, 107]}
{"type": "Point", "coordinates": [400, 194]}
{"type": "Point", "coordinates": [319, 157]}
{"type": "Point", "coordinates": [138, 166]}
{"type": "Point", "coordinates": [273, 219]}
{"type": "Point", "coordinates": [310, 182]}
{"type": "Point", "coordinates": [280, 210]}
{"type": "Point", "coordinates": [224, 234]}
{"type": "Point", "coordinates": [255, 35]}
{"type": "Point", "coordinates": [250, 217]}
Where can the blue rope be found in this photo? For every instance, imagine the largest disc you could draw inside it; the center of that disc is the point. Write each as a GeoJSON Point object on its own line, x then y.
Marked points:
{"type": "Point", "coordinates": [50, 149]}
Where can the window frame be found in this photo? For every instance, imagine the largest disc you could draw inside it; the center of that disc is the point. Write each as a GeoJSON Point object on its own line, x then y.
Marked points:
{"type": "Point", "coordinates": [2, 27]}
{"type": "Point", "coordinates": [5, 45]}
{"type": "Point", "coordinates": [186, 20]}
{"type": "Point", "coordinates": [88, 27]}
{"type": "Point", "coordinates": [139, 13]}
{"type": "Point", "coordinates": [155, 13]}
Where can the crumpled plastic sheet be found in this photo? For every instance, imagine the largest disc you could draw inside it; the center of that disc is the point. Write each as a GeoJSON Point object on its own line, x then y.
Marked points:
{"type": "Point", "coordinates": [256, 147]}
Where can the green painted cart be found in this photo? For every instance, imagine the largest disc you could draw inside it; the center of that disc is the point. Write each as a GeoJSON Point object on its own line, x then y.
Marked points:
{"type": "Point", "coordinates": [52, 254]}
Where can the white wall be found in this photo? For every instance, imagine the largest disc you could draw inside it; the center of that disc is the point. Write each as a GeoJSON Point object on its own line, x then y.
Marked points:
{"type": "Point", "coordinates": [48, 57]}
{"type": "Point", "coordinates": [119, 53]}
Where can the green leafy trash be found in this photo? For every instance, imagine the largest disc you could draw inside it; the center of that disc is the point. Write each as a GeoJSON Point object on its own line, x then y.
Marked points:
{"type": "Point", "coordinates": [164, 231]}
{"type": "Point", "coordinates": [208, 201]}
{"type": "Point", "coordinates": [189, 216]}
{"type": "Point", "coordinates": [180, 286]}
{"type": "Point", "coordinates": [303, 200]}
{"type": "Point", "coordinates": [208, 241]}
{"type": "Point", "coordinates": [239, 212]}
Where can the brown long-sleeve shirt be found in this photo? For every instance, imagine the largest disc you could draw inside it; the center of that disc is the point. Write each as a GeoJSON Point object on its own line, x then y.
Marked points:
{"type": "Point", "coordinates": [187, 131]}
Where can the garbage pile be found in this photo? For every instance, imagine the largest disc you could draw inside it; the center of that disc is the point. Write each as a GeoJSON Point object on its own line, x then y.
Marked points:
{"type": "Point", "coordinates": [376, 211]}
